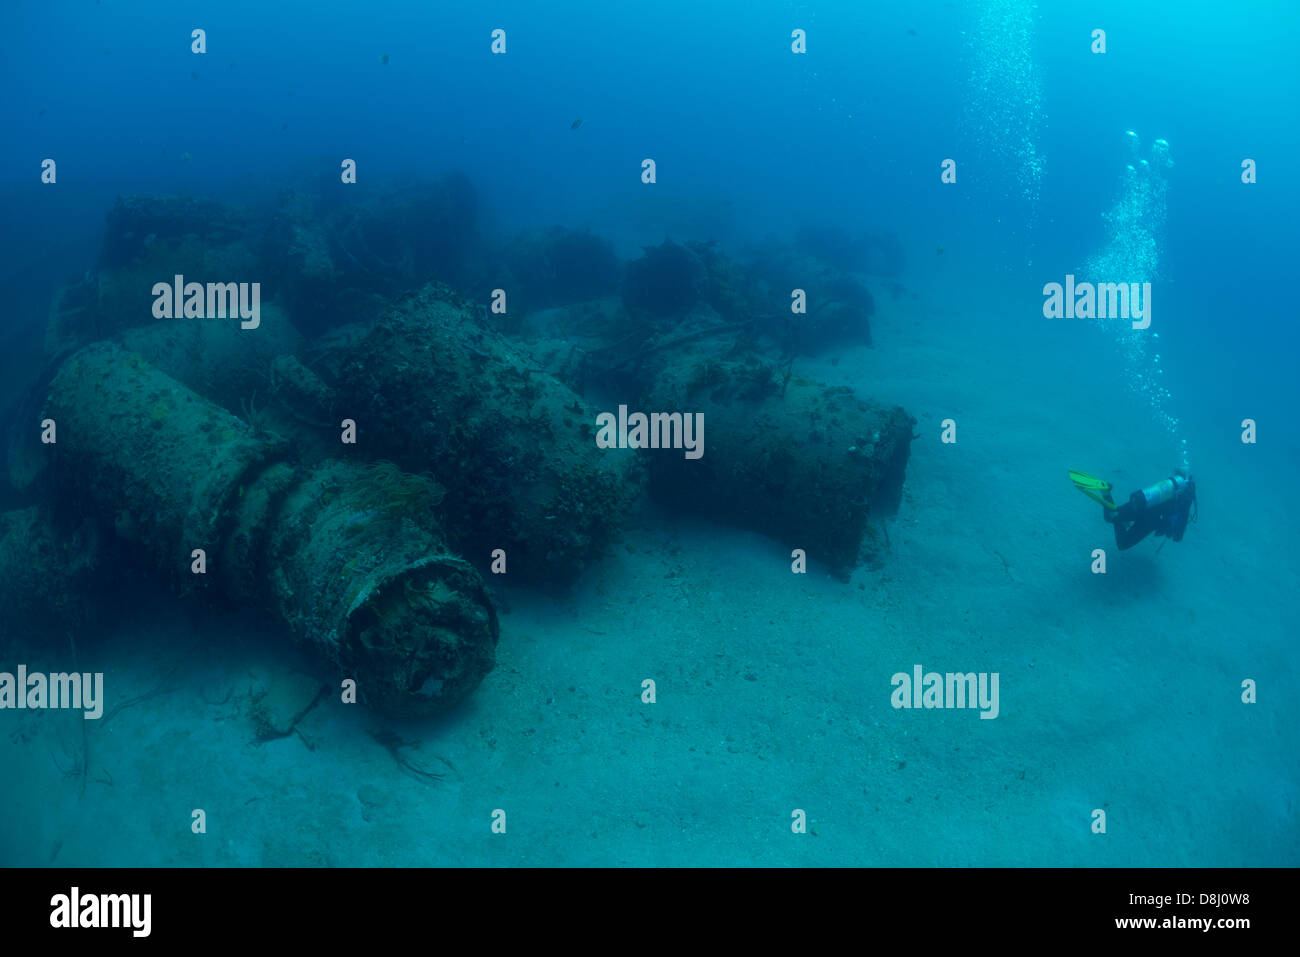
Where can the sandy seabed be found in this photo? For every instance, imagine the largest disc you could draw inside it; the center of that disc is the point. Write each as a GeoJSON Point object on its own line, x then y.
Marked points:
{"type": "Point", "coordinates": [1119, 691]}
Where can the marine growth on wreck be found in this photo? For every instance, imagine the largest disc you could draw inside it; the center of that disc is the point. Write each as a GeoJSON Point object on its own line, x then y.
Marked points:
{"type": "Point", "coordinates": [359, 451]}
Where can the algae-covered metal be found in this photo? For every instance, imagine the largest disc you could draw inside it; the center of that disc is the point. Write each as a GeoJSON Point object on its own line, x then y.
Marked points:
{"type": "Point", "coordinates": [433, 387]}
{"type": "Point", "coordinates": [811, 465]}
{"type": "Point", "coordinates": [348, 557]}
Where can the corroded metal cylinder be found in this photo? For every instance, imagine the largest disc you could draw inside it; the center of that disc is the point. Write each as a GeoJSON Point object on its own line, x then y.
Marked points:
{"type": "Point", "coordinates": [434, 387]}
{"type": "Point", "coordinates": [805, 463]}
{"type": "Point", "coordinates": [346, 556]}
{"type": "Point", "coordinates": [163, 465]}
{"type": "Point", "coordinates": [232, 366]}
{"type": "Point", "coordinates": [354, 562]}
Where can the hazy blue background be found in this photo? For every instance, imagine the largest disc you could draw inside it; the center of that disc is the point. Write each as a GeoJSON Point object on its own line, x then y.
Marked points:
{"type": "Point", "coordinates": [758, 139]}
{"type": "Point", "coordinates": [753, 142]}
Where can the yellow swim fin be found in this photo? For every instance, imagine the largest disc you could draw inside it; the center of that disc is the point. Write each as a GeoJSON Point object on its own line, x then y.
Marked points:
{"type": "Point", "coordinates": [1096, 489]}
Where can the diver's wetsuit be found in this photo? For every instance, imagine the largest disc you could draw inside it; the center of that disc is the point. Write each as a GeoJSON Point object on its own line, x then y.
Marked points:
{"type": "Point", "coordinates": [1135, 520]}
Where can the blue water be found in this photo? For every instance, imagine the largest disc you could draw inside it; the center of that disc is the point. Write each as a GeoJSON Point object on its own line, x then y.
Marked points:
{"type": "Point", "coordinates": [1137, 706]}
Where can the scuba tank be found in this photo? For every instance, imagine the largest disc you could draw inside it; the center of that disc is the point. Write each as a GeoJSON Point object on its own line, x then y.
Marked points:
{"type": "Point", "coordinates": [1163, 491]}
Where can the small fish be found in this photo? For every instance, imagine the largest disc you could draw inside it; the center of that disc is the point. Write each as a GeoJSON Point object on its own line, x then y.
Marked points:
{"type": "Point", "coordinates": [576, 123]}
{"type": "Point", "coordinates": [150, 238]}
{"type": "Point", "coordinates": [185, 155]}
{"type": "Point", "coordinates": [384, 59]}
{"type": "Point", "coordinates": [194, 74]}
{"type": "Point", "coordinates": [42, 112]}
{"type": "Point", "coordinates": [232, 64]}
{"type": "Point", "coordinates": [911, 32]}
{"type": "Point", "coordinates": [939, 251]}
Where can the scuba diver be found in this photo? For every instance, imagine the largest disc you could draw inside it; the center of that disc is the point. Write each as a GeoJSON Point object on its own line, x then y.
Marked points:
{"type": "Point", "coordinates": [1164, 508]}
